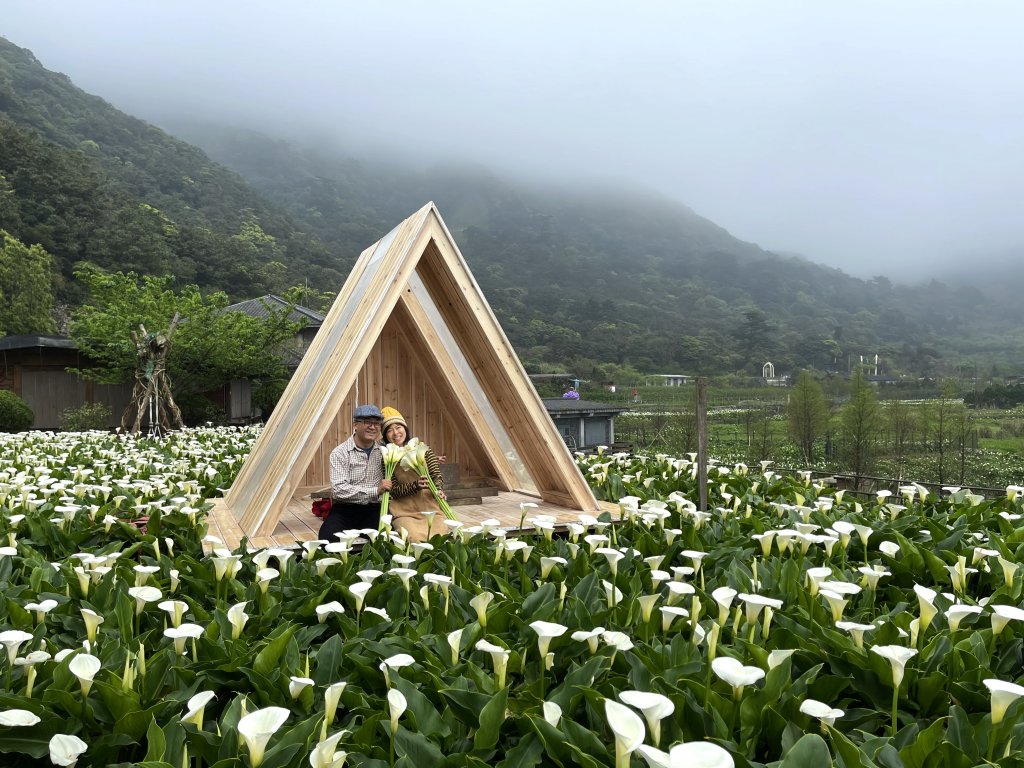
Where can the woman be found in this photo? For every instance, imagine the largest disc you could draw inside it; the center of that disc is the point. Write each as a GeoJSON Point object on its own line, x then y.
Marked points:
{"type": "Point", "coordinates": [407, 510]}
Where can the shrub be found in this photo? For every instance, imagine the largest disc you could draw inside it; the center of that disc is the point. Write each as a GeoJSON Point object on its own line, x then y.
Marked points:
{"type": "Point", "coordinates": [198, 409]}
{"type": "Point", "coordinates": [86, 417]}
{"type": "Point", "coordinates": [15, 415]}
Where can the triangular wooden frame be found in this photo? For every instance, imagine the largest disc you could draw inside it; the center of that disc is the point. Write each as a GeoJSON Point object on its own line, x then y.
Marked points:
{"type": "Point", "coordinates": [410, 328]}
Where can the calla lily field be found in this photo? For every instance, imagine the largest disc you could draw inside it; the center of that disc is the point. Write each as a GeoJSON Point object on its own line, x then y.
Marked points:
{"type": "Point", "coordinates": [788, 625]}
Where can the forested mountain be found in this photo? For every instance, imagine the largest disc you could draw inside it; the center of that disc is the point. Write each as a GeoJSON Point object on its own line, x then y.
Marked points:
{"type": "Point", "coordinates": [88, 182]}
{"type": "Point", "coordinates": [579, 277]}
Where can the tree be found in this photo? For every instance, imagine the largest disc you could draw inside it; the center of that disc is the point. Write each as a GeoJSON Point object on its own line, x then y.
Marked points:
{"type": "Point", "coordinates": [902, 423]}
{"type": "Point", "coordinates": [26, 287]}
{"type": "Point", "coordinates": [861, 421]}
{"type": "Point", "coordinates": [210, 348]}
{"type": "Point", "coordinates": [808, 414]}
{"type": "Point", "coordinates": [942, 423]}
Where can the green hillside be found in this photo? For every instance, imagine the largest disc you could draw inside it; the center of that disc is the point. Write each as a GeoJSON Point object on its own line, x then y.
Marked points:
{"type": "Point", "coordinates": [88, 182]}
{"type": "Point", "coordinates": [580, 277]}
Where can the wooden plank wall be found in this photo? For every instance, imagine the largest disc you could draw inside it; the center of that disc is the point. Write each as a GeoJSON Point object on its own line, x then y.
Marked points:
{"type": "Point", "coordinates": [394, 375]}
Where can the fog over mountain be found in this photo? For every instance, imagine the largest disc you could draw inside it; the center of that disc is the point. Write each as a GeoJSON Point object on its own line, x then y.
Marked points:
{"type": "Point", "coordinates": [880, 138]}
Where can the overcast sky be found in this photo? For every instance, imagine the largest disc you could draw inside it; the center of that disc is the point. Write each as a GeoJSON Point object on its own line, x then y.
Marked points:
{"type": "Point", "coordinates": [877, 136]}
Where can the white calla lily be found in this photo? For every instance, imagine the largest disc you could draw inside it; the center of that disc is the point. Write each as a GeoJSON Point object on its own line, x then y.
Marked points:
{"type": "Point", "coordinates": [1003, 695]}
{"type": "Point", "coordinates": [12, 640]}
{"type": "Point", "coordinates": [397, 705]}
{"type": "Point", "coordinates": [626, 727]}
{"type": "Point", "coordinates": [66, 749]}
{"type": "Point", "coordinates": [18, 718]}
{"type": "Point", "coordinates": [733, 672]}
{"type": "Point", "coordinates": [257, 728]}
{"type": "Point", "coordinates": [820, 710]}
{"type": "Point", "coordinates": [546, 632]}
{"type": "Point", "coordinates": [84, 666]}
{"type": "Point", "coordinates": [700, 754]}
{"type": "Point", "coordinates": [197, 708]}
{"type": "Point", "coordinates": [654, 707]}
{"type": "Point", "coordinates": [238, 617]}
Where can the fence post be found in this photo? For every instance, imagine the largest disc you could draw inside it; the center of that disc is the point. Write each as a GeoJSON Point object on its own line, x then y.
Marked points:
{"type": "Point", "coordinates": [702, 443]}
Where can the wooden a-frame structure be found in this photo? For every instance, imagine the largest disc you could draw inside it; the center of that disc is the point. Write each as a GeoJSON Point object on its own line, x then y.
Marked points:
{"type": "Point", "coordinates": [410, 329]}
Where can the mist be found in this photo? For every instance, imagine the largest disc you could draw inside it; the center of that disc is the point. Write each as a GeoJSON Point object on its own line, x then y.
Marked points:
{"type": "Point", "coordinates": [877, 137]}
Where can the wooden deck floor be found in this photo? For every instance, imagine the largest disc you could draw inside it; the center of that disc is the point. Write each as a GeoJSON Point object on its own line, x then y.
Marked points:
{"type": "Point", "coordinates": [298, 524]}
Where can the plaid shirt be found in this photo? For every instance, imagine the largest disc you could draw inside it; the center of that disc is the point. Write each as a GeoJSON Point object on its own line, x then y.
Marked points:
{"type": "Point", "coordinates": [355, 476]}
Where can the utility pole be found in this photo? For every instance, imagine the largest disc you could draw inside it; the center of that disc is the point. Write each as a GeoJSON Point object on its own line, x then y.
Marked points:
{"type": "Point", "coordinates": [702, 443]}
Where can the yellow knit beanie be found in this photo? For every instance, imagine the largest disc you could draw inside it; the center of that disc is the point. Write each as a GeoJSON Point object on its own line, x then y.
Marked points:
{"type": "Point", "coordinates": [392, 416]}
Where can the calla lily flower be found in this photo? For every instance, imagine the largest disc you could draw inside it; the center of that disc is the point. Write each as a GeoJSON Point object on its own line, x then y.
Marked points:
{"type": "Point", "coordinates": [296, 685]}
{"type": "Point", "coordinates": [397, 705]}
{"type": "Point", "coordinates": [84, 666]}
{"type": "Point", "coordinates": [358, 592]}
{"type": "Point", "coordinates": [92, 623]}
{"type": "Point", "coordinates": [547, 563]}
{"type": "Point", "coordinates": [835, 602]}
{"type": "Point", "coordinates": [12, 640]}
{"type": "Point", "coordinates": [628, 729]}
{"type": "Point", "coordinates": [546, 632]}
{"type": "Point", "coordinates": [926, 605]}
{"type": "Point", "coordinates": [41, 609]}
{"type": "Point", "coordinates": [736, 674]}
{"type": "Point", "coordinates": [18, 718]}
{"type": "Point", "coordinates": [175, 610]}
{"type": "Point", "coordinates": [326, 753]}
{"type": "Point", "coordinates": [898, 657]}
{"type": "Point", "coordinates": [479, 604]}
{"type": "Point", "coordinates": [1003, 695]}
{"type": "Point", "coordinates": [957, 613]}
{"type": "Point", "coordinates": [499, 658]}
{"type": "Point", "coordinates": [332, 697]}
{"type": "Point", "coordinates": [66, 749]}
{"type": "Point", "coordinates": [378, 612]}
{"type": "Point", "coordinates": [238, 617]}
{"type": "Point", "coordinates": [369, 575]}
{"type": "Point", "coordinates": [669, 614]}
{"type": "Point", "coordinates": [700, 754]}
{"type": "Point", "coordinates": [590, 637]}
{"type": "Point", "coordinates": [256, 729]}
{"type": "Point", "coordinates": [144, 595]}
{"type": "Point", "coordinates": [823, 712]}
{"type": "Point", "coordinates": [654, 707]}
{"type": "Point", "coordinates": [724, 596]}
{"type": "Point", "coordinates": [856, 630]}
{"type": "Point", "coordinates": [455, 642]}
{"type": "Point", "coordinates": [1002, 615]}
{"type": "Point", "coordinates": [182, 633]}
{"type": "Point", "coordinates": [655, 758]}
{"type": "Point", "coordinates": [755, 603]}
{"type": "Point", "coordinates": [197, 708]}
{"type": "Point", "coordinates": [552, 713]}
{"type": "Point", "coordinates": [264, 576]}
{"type": "Point", "coordinates": [323, 612]}
{"type": "Point", "coordinates": [778, 656]}
{"type": "Point", "coordinates": [397, 661]}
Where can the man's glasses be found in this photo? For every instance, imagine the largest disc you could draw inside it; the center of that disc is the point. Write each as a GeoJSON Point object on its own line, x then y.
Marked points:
{"type": "Point", "coordinates": [367, 423]}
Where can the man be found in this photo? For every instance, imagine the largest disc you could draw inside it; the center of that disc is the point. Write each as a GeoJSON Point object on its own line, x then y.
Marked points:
{"type": "Point", "coordinates": [357, 476]}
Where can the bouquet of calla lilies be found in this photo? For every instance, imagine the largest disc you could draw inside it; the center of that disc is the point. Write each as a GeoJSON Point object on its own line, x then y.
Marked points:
{"type": "Point", "coordinates": [415, 459]}
{"type": "Point", "coordinates": [392, 455]}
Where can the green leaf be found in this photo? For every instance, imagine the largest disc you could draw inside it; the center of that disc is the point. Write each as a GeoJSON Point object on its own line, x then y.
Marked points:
{"type": "Point", "coordinates": [418, 749]}
{"type": "Point", "coordinates": [810, 752]}
{"type": "Point", "coordinates": [492, 716]}
{"type": "Point", "coordinates": [155, 741]}
{"type": "Point", "coordinates": [916, 754]}
{"type": "Point", "coordinates": [526, 754]}
{"type": "Point", "coordinates": [267, 659]}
